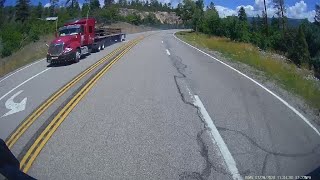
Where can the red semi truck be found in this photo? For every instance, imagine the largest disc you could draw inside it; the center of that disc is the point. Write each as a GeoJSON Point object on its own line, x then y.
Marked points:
{"type": "Point", "coordinates": [80, 37]}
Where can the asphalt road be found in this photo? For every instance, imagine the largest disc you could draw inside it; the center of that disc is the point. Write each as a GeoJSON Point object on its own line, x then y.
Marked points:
{"type": "Point", "coordinates": [163, 111]}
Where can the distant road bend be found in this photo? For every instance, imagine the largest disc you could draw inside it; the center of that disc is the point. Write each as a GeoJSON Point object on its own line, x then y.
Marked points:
{"type": "Point", "coordinates": [152, 107]}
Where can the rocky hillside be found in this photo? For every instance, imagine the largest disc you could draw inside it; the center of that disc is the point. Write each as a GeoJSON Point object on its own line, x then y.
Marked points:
{"type": "Point", "coordinates": [163, 17]}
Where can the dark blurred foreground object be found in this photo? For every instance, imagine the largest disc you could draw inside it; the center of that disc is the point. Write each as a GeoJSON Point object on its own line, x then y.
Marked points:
{"type": "Point", "coordinates": [9, 165]}
{"type": "Point", "coordinates": [315, 174]}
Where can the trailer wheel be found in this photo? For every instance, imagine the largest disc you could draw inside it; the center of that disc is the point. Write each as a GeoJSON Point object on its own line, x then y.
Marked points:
{"type": "Point", "coordinates": [102, 46]}
{"type": "Point", "coordinates": [99, 48]}
{"type": "Point", "coordinates": [77, 56]}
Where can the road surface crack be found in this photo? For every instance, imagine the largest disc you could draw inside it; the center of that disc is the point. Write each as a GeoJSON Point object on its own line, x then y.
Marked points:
{"type": "Point", "coordinates": [314, 150]}
{"type": "Point", "coordinates": [205, 145]}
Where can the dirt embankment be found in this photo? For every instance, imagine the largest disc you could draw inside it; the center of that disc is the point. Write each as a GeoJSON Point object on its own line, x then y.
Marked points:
{"type": "Point", "coordinates": [163, 17]}
{"type": "Point", "coordinates": [130, 29]}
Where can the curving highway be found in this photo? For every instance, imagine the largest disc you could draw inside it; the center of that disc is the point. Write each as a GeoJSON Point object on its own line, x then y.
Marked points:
{"type": "Point", "coordinates": [152, 107]}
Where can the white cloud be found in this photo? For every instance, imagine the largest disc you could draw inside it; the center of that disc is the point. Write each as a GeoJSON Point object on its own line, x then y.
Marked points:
{"type": "Point", "coordinates": [259, 4]}
{"type": "Point", "coordinates": [224, 11]}
{"type": "Point", "coordinates": [300, 11]}
{"type": "Point", "coordinates": [47, 5]}
{"type": "Point", "coordinates": [247, 8]}
{"type": "Point", "coordinates": [298, 8]}
{"type": "Point", "coordinates": [101, 3]}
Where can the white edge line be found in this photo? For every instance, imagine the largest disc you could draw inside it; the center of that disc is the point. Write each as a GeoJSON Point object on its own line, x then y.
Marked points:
{"type": "Point", "coordinates": [24, 83]}
{"type": "Point", "coordinates": [269, 91]}
{"type": "Point", "coordinates": [168, 52]}
{"type": "Point", "coordinates": [20, 69]}
{"type": "Point", "coordinates": [230, 162]}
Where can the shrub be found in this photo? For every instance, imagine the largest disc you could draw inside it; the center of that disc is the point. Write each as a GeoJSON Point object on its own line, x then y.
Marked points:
{"type": "Point", "coordinates": [316, 66]}
{"type": "Point", "coordinates": [11, 39]}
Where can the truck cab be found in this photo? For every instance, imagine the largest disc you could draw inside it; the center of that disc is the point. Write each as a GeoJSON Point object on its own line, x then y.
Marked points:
{"type": "Point", "coordinates": [80, 37]}
{"type": "Point", "coordinates": [72, 40]}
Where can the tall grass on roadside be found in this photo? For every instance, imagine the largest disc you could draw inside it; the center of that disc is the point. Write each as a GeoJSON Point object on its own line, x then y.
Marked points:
{"type": "Point", "coordinates": [28, 54]}
{"type": "Point", "coordinates": [285, 74]}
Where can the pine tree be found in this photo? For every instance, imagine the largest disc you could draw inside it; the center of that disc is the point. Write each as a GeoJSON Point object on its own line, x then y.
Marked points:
{"type": "Point", "coordinates": [280, 10]}
{"type": "Point", "coordinates": [187, 10]}
{"type": "Point", "coordinates": [54, 4]}
{"type": "Point", "coordinates": [242, 15]}
{"type": "Point", "coordinates": [2, 3]}
{"type": "Point", "coordinates": [259, 21]}
{"type": "Point", "coordinates": [274, 24]}
{"type": "Point", "coordinates": [85, 9]}
{"type": "Point", "coordinates": [46, 12]}
{"type": "Point", "coordinates": [254, 26]}
{"type": "Point", "coordinates": [73, 8]}
{"type": "Point", "coordinates": [73, 2]}
{"type": "Point", "coordinates": [94, 4]}
{"type": "Point", "coordinates": [39, 10]}
{"type": "Point", "coordinates": [76, 9]}
{"type": "Point", "coordinates": [305, 55]}
{"type": "Point", "coordinates": [22, 10]}
{"type": "Point", "coordinates": [147, 4]}
{"type": "Point", "coordinates": [211, 20]}
{"type": "Point", "coordinates": [197, 17]}
{"type": "Point", "coordinates": [120, 2]}
{"type": "Point", "coordinates": [300, 52]}
{"type": "Point", "coordinates": [211, 6]}
{"type": "Point", "coordinates": [108, 3]}
{"type": "Point", "coordinates": [317, 16]}
{"type": "Point", "coordinates": [265, 15]}
{"type": "Point", "coordinates": [2, 18]}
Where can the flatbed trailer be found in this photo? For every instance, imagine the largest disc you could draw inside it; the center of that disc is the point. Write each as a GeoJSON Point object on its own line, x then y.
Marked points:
{"type": "Point", "coordinates": [107, 36]}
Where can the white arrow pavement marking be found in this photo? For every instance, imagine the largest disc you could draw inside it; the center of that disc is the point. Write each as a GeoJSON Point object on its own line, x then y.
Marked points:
{"type": "Point", "coordinates": [15, 107]}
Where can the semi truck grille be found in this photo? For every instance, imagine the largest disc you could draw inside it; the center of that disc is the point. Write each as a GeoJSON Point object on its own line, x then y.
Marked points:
{"type": "Point", "coordinates": [55, 49]}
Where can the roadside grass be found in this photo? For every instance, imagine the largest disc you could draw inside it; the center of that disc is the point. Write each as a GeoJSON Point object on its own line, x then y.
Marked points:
{"type": "Point", "coordinates": [28, 54]}
{"type": "Point", "coordinates": [286, 74]}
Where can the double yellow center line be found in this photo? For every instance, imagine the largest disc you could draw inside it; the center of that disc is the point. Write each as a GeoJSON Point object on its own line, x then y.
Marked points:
{"type": "Point", "coordinates": [40, 142]}
{"type": "Point", "coordinates": [43, 107]}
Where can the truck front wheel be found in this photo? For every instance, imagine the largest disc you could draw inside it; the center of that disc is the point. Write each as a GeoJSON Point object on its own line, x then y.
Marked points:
{"type": "Point", "coordinates": [77, 56]}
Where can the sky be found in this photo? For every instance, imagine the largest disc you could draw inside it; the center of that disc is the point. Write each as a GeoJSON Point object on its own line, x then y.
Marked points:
{"type": "Point", "coordinates": [297, 9]}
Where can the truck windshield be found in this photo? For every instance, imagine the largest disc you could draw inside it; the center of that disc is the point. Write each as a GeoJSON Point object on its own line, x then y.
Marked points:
{"type": "Point", "coordinates": [69, 31]}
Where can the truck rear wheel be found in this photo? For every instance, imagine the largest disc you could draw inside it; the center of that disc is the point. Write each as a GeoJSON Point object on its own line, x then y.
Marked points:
{"type": "Point", "coordinates": [77, 56]}
{"type": "Point", "coordinates": [102, 46]}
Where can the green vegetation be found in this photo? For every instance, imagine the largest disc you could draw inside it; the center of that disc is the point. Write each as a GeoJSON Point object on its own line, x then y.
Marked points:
{"type": "Point", "coordinates": [300, 44]}
{"type": "Point", "coordinates": [38, 49]}
{"type": "Point", "coordinates": [25, 23]}
{"type": "Point", "coordinates": [285, 74]}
